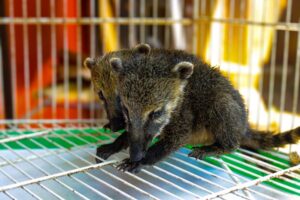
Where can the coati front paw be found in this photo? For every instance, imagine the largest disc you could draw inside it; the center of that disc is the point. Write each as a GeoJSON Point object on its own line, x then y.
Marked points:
{"type": "Point", "coordinates": [104, 151]}
{"type": "Point", "coordinates": [198, 153]}
{"type": "Point", "coordinates": [127, 165]}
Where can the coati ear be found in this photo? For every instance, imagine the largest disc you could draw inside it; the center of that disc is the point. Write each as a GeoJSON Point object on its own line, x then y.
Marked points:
{"type": "Point", "coordinates": [116, 64]}
{"type": "Point", "coordinates": [89, 63]}
{"type": "Point", "coordinates": [183, 69]}
{"type": "Point", "coordinates": [142, 48]}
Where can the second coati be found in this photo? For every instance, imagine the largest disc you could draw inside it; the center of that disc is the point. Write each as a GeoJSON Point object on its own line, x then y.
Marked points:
{"type": "Point", "coordinates": [175, 95]}
{"type": "Point", "coordinates": [105, 85]}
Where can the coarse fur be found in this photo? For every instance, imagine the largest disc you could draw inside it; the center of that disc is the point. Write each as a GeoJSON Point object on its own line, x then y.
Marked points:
{"type": "Point", "coordinates": [104, 83]}
{"type": "Point", "coordinates": [185, 101]}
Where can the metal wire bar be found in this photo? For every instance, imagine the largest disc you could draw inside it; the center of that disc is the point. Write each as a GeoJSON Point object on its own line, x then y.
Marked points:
{"type": "Point", "coordinates": [50, 121]}
{"type": "Point", "coordinates": [1, 80]}
{"type": "Point", "coordinates": [42, 170]}
{"type": "Point", "coordinates": [12, 41]}
{"type": "Point", "coordinates": [76, 166]}
{"type": "Point", "coordinates": [39, 58]}
{"type": "Point", "coordinates": [236, 175]}
{"type": "Point", "coordinates": [27, 175]}
{"type": "Point", "coordinates": [285, 62]}
{"type": "Point", "coordinates": [57, 175]}
{"type": "Point", "coordinates": [216, 176]}
{"type": "Point", "coordinates": [254, 156]}
{"type": "Point", "coordinates": [265, 196]}
{"type": "Point", "coordinates": [81, 129]}
{"type": "Point", "coordinates": [188, 182]}
{"type": "Point", "coordinates": [79, 60]}
{"type": "Point", "coordinates": [26, 60]}
{"type": "Point", "coordinates": [155, 16]}
{"type": "Point", "coordinates": [174, 167]}
{"type": "Point", "coordinates": [275, 183]}
{"type": "Point", "coordinates": [149, 173]}
{"type": "Point", "coordinates": [113, 176]}
{"type": "Point", "coordinates": [198, 177]}
{"type": "Point", "coordinates": [236, 180]}
{"type": "Point", "coordinates": [291, 26]}
{"type": "Point", "coordinates": [66, 61]}
{"type": "Point", "coordinates": [57, 167]}
{"type": "Point", "coordinates": [252, 183]}
{"type": "Point", "coordinates": [92, 53]}
{"type": "Point", "coordinates": [297, 78]}
{"type": "Point", "coordinates": [261, 56]}
{"type": "Point", "coordinates": [269, 167]}
{"type": "Point", "coordinates": [26, 189]}
{"type": "Point", "coordinates": [11, 139]}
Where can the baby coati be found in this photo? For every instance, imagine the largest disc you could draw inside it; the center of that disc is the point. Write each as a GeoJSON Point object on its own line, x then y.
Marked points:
{"type": "Point", "coordinates": [104, 83]}
{"type": "Point", "coordinates": [173, 94]}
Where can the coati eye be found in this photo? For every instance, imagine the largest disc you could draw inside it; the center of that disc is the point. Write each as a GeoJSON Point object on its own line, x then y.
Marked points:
{"type": "Point", "coordinates": [156, 114]}
{"type": "Point", "coordinates": [101, 96]}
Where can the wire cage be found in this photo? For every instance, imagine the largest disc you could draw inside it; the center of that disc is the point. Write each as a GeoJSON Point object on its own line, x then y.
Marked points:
{"type": "Point", "coordinates": [51, 122]}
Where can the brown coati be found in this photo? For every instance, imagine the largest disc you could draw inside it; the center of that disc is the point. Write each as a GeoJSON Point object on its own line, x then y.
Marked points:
{"type": "Point", "coordinates": [185, 101]}
{"type": "Point", "coordinates": [104, 83]}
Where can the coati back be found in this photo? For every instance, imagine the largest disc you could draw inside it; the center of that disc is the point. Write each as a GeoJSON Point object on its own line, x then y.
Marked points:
{"type": "Point", "coordinates": [186, 101]}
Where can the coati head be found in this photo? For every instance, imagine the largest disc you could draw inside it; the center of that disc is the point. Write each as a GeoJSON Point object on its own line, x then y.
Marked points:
{"type": "Point", "coordinates": [104, 82]}
{"type": "Point", "coordinates": [150, 89]}
{"type": "Point", "coordinates": [105, 86]}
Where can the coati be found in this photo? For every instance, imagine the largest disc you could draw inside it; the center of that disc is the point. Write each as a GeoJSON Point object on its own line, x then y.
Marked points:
{"type": "Point", "coordinates": [104, 82]}
{"type": "Point", "coordinates": [185, 101]}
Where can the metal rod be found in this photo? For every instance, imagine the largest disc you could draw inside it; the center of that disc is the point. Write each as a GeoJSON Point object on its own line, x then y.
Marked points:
{"type": "Point", "coordinates": [252, 183]}
{"type": "Point", "coordinates": [12, 41]}
{"type": "Point", "coordinates": [39, 59]}
{"type": "Point", "coordinates": [53, 60]}
{"type": "Point", "coordinates": [57, 175]}
{"type": "Point", "coordinates": [66, 61]}
{"type": "Point", "coordinates": [26, 60]}
{"type": "Point", "coordinates": [285, 62]}
{"type": "Point", "coordinates": [291, 26]}
{"type": "Point", "coordinates": [79, 62]}
{"type": "Point", "coordinates": [11, 139]}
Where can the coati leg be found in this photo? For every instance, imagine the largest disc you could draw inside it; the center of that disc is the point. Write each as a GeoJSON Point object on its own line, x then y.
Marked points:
{"type": "Point", "coordinates": [211, 150]}
{"type": "Point", "coordinates": [173, 136]}
{"type": "Point", "coordinates": [227, 122]}
{"type": "Point", "coordinates": [106, 150]}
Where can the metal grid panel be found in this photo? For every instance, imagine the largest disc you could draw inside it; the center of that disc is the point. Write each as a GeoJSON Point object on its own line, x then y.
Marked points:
{"type": "Point", "coordinates": [62, 165]}
{"type": "Point", "coordinates": [69, 171]}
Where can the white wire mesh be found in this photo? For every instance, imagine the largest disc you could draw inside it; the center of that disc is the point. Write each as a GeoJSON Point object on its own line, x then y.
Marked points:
{"type": "Point", "coordinates": [72, 173]}
{"type": "Point", "coordinates": [64, 168]}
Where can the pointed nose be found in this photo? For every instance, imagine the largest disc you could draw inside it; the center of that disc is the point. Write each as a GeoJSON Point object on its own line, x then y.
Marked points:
{"type": "Point", "coordinates": [136, 153]}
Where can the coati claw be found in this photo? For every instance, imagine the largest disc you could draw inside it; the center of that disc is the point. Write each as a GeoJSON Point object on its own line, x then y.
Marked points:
{"type": "Point", "coordinates": [104, 152]}
{"type": "Point", "coordinates": [127, 165]}
{"type": "Point", "coordinates": [197, 153]}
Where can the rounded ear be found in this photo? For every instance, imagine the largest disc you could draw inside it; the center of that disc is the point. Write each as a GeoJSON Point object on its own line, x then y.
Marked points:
{"type": "Point", "coordinates": [89, 63]}
{"type": "Point", "coordinates": [116, 64]}
{"type": "Point", "coordinates": [142, 48]}
{"type": "Point", "coordinates": [183, 69]}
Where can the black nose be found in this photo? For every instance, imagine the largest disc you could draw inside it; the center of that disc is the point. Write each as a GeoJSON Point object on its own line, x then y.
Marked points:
{"type": "Point", "coordinates": [136, 157]}
{"type": "Point", "coordinates": [117, 124]}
